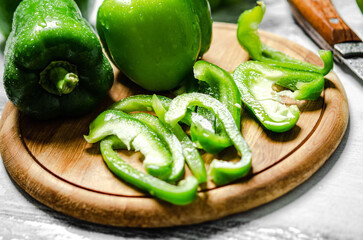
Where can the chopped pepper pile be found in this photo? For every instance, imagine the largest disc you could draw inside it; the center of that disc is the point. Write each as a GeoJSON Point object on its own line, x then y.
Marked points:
{"type": "Point", "coordinates": [212, 111]}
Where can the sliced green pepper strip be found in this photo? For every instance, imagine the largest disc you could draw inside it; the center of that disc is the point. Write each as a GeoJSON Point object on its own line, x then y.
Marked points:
{"type": "Point", "coordinates": [171, 140]}
{"type": "Point", "coordinates": [255, 81]}
{"type": "Point", "coordinates": [248, 37]}
{"type": "Point", "coordinates": [135, 135]}
{"type": "Point", "coordinates": [139, 103]}
{"type": "Point", "coordinates": [191, 154]}
{"type": "Point", "coordinates": [182, 194]}
{"type": "Point", "coordinates": [222, 87]}
{"type": "Point", "coordinates": [144, 103]}
{"type": "Point", "coordinates": [222, 172]}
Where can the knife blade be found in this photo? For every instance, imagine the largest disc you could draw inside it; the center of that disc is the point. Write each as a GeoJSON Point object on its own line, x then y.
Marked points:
{"type": "Point", "coordinates": [322, 23]}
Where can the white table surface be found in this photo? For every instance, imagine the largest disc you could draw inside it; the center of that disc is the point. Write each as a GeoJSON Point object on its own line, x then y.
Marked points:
{"type": "Point", "coordinates": [327, 206]}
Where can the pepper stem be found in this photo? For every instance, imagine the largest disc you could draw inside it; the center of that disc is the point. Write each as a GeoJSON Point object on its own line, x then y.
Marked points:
{"type": "Point", "coordinates": [59, 78]}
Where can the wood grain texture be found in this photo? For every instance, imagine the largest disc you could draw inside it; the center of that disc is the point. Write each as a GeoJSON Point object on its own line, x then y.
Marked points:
{"type": "Point", "coordinates": [323, 17]}
{"type": "Point", "coordinates": [53, 163]}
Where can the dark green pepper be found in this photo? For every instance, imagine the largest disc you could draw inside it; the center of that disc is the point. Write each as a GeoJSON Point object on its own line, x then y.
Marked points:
{"type": "Point", "coordinates": [54, 64]}
{"type": "Point", "coordinates": [7, 9]}
{"type": "Point", "coordinates": [248, 37]}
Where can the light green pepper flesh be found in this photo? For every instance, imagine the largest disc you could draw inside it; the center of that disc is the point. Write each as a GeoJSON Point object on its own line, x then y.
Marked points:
{"type": "Point", "coordinates": [191, 154]}
{"type": "Point", "coordinates": [182, 194]}
{"type": "Point", "coordinates": [222, 172]}
{"type": "Point", "coordinates": [171, 140]}
{"type": "Point", "coordinates": [248, 37]}
{"type": "Point", "coordinates": [146, 103]}
{"type": "Point", "coordinates": [222, 87]}
{"type": "Point", "coordinates": [135, 135]}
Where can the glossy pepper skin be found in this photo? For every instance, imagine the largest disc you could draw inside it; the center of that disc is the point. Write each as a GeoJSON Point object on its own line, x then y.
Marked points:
{"type": "Point", "coordinates": [7, 9]}
{"type": "Point", "coordinates": [154, 43]}
{"type": "Point", "coordinates": [54, 64]}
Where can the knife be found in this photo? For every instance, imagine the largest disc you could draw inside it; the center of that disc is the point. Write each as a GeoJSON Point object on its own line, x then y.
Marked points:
{"type": "Point", "coordinates": [324, 25]}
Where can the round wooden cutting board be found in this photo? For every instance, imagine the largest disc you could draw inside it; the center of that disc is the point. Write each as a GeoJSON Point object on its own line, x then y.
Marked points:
{"type": "Point", "coordinates": [53, 163]}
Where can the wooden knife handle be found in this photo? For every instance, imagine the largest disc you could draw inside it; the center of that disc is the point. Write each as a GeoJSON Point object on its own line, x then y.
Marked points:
{"type": "Point", "coordinates": [323, 17]}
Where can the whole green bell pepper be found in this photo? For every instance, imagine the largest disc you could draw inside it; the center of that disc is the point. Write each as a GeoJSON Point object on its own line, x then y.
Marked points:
{"type": "Point", "coordinates": [155, 43]}
{"type": "Point", "coordinates": [7, 9]}
{"type": "Point", "coordinates": [54, 64]}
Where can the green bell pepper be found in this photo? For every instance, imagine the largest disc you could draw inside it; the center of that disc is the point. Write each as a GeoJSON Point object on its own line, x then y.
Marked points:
{"type": "Point", "coordinates": [182, 194]}
{"type": "Point", "coordinates": [54, 64]}
{"type": "Point", "coordinates": [8, 7]}
{"type": "Point", "coordinates": [135, 135]}
{"type": "Point", "coordinates": [248, 37]}
{"type": "Point", "coordinates": [222, 172]}
{"type": "Point", "coordinates": [155, 43]}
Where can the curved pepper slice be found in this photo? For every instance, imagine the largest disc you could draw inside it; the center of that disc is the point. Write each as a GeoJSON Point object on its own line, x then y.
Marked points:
{"type": "Point", "coordinates": [191, 154]}
{"type": "Point", "coordinates": [144, 103]}
{"type": "Point", "coordinates": [172, 141]}
{"type": "Point", "coordinates": [222, 172]}
{"type": "Point", "coordinates": [135, 135]}
{"type": "Point", "coordinates": [255, 81]}
{"type": "Point", "coordinates": [247, 35]}
{"type": "Point", "coordinates": [147, 103]}
{"type": "Point", "coordinates": [222, 87]}
{"type": "Point", "coordinates": [139, 103]}
{"type": "Point", "coordinates": [184, 193]}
